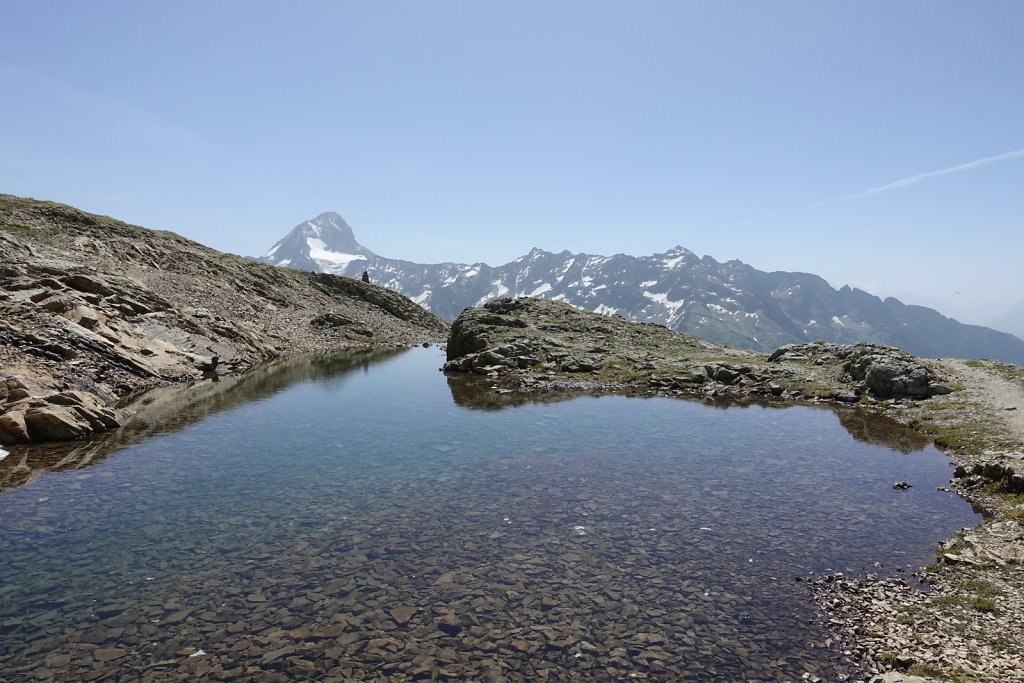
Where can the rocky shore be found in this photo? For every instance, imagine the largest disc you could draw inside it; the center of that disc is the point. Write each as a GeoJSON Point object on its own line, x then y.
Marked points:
{"type": "Point", "coordinates": [967, 625]}
{"type": "Point", "coordinates": [94, 311]}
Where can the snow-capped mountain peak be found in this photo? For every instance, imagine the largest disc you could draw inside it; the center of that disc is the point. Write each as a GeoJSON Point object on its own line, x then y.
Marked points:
{"type": "Point", "coordinates": [323, 244]}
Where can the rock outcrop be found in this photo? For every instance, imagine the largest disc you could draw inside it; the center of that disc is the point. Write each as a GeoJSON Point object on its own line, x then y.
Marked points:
{"type": "Point", "coordinates": [538, 342]}
{"type": "Point", "coordinates": [31, 412]}
{"type": "Point", "coordinates": [881, 371]}
{"type": "Point", "coordinates": [93, 310]}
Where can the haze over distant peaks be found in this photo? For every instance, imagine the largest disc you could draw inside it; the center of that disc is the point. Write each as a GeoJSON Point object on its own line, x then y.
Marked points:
{"type": "Point", "coordinates": [729, 303]}
{"type": "Point", "coordinates": [1012, 321]}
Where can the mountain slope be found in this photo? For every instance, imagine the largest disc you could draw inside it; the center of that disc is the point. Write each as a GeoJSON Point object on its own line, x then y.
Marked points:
{"type": "Point", "coordinates": [93, 309]}
{"type": "Point", "coordinates": [728, 303]}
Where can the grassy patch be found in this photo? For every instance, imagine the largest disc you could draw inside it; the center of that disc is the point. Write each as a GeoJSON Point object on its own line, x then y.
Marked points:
{"type": "Point", "coordinates": [949, 600]}
{"type": "Point", "coordinates": [17, 229]}
{"type": "Point", "coordinates": [932, 671]}
{"type": "Point", "coordinates": [999, 488]}
{"type": "Point", "coordinates": [1017, 514]}
{"type": "Point", "coordinates": [983, 604]}
{"type": "Point", "coordinates": [973, 435]}
{"type": "Point", "coordinates": [942, 405]}
{"type": "Point", "coordinates": [888, 659]}
{"type": "Point", "coordinates": [1007, 370]}
{"type": "Point", "coordinates": [982, 588]}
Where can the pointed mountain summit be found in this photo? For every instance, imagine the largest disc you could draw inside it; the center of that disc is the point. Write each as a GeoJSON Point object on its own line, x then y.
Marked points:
{"type": "Point", "coordinates": [324, 244]}
{"type": "Point", "coordinates": [728, 303]}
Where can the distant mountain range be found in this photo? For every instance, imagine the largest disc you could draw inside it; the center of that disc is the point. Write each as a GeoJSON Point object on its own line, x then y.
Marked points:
{"type": "Point", "coordinates": [729, 303]}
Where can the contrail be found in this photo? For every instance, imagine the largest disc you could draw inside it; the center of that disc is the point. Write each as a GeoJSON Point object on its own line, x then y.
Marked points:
{"type": "Point", "coordinates": [953, 169]}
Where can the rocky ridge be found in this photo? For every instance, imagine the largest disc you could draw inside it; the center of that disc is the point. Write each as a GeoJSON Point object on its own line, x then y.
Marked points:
{"type": "Point", "coordinates": [967, 627]}
{"type": "Point", "coordinates": [93, 310]}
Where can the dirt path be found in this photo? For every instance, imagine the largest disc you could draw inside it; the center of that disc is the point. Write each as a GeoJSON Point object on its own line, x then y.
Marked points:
{"type": "Point", "coordinates": [1003, 398]}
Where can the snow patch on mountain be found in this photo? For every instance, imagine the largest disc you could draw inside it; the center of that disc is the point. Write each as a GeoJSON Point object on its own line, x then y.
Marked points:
{"type": "Point", "coordinates": [318, 251]}
{"type": "Point", "coordinates": [662, 300]}
{"type": "Point", "coordinates": [540, 291]}
{"type": "Point", "coordinates": [671, 263]}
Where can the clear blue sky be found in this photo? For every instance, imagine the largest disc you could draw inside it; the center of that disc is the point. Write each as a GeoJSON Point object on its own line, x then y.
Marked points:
{"type": "Point", "coordinates": [770, 132]}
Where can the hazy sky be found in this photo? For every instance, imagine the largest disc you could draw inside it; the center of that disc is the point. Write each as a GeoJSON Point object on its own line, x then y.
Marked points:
{"type": "Point", "coordinates": [878, 144]}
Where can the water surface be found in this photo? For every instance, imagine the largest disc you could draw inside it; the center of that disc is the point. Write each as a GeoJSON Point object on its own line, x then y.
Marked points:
{"type": "Point", "coordinates": [361, 518]}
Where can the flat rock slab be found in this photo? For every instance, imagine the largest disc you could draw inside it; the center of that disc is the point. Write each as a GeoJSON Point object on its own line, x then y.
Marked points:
{"type": "Point", "coordinates": [402, 614]}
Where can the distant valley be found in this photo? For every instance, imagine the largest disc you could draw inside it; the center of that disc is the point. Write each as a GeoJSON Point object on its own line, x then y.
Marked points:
{"type": "Point", "coordinates": [729, 303]}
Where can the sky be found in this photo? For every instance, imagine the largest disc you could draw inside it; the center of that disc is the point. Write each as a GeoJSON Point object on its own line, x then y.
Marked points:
{"type": "Point", "coordinates": [878, 144]}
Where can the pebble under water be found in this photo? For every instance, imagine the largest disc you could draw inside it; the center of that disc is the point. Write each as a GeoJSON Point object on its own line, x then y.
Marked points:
{"type": "Point", "coordinates": [341, 519]}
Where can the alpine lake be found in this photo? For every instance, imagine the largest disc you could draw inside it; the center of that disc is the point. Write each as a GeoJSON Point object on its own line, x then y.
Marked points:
{"type": "Point", "coordinates": [361, 517]}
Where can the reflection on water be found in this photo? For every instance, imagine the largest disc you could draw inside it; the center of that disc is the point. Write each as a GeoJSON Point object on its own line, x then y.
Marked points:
{"type": "Point", "coordinates": [366, 526]}
{"type": "Point", "coordinates": [170, 408]}
{"type": "Point", "coordinates": [874, 429]}
{"type": "Point", "coordinates": [479, 393]}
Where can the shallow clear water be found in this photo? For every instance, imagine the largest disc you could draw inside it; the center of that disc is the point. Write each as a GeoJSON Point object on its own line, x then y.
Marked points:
{"type": "Point", "coordinates": [361, 517]}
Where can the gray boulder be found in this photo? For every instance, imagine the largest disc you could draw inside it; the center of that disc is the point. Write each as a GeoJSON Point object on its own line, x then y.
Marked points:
{"type": "Point", "coordinates": [889, 373]}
